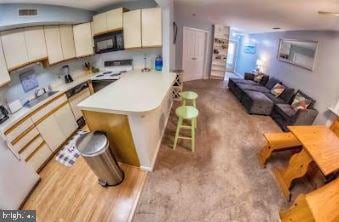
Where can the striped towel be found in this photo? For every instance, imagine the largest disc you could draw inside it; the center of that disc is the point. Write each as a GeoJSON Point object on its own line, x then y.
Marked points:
{"type": "Point", "coordinates": [69, 154]}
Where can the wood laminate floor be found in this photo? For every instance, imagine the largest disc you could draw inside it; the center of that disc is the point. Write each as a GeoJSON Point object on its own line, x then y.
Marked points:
{"type": "Point", "coordinates": [67, 194]}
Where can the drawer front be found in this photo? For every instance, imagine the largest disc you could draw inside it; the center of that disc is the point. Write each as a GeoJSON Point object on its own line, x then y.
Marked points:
{"type": "Point", "coordinates": [48, 108]}
{"type": "Point", "coordinates": [31, 148]}
{"type": "Point", "coordinates": [20, 144]}
{"type": "Point", "coordinates": [19, 129]}
{"type": "Point", "coordinates": [40, 156]}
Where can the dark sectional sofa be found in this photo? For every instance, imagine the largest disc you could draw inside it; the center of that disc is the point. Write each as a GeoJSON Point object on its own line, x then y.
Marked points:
{"type": "Point", "coordinates": [257, 99]}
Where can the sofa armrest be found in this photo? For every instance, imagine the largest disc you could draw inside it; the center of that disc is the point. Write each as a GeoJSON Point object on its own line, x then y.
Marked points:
{"type": "Point", "coordinates": [304, 117]}
{"type": "Point", "coordinates": [249, 76]}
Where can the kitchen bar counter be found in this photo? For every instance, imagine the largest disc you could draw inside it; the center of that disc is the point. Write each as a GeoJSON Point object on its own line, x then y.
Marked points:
{"type": "Point", "coordinates": [134, 92]}
{"type": "Point", "coordinates": [133, 112]}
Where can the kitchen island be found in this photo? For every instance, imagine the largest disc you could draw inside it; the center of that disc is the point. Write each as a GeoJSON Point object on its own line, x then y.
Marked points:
{"type": "Point", "coordinates": [133, 112]}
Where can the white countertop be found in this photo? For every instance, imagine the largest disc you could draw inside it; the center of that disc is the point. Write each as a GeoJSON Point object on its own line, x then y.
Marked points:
{"type": "Point", "coordinates": [25, 111]}
{"type": "Point", "coordinates": [134, 92]}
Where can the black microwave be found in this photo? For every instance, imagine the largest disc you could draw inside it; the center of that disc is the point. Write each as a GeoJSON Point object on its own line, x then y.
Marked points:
{"type": "Point", "coordinates": [109, 42]}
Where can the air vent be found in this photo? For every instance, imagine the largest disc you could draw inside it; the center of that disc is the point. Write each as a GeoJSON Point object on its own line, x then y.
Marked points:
{"type": "Point", "coordinates": [28, 12]}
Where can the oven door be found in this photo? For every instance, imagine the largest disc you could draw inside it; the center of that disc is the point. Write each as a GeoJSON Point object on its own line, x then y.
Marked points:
{"type": "Point", "coordinates": [100, 84]}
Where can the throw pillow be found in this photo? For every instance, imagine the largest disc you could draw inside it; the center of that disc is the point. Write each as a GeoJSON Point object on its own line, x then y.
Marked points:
{"type": "Point", "coordinates": [300, 102]}
{"type": "Point", "coordinates": [277, 89]}
{"type": "Point", "coordinates": [258, 77]}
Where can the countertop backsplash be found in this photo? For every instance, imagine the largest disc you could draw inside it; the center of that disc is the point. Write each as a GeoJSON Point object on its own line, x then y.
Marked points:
{"type": "Point", "coordinates": [45, 77]}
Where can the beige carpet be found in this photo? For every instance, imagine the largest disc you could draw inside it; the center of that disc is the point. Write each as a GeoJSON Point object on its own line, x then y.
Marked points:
{"type": "Point", "coordinates": [222, 180]}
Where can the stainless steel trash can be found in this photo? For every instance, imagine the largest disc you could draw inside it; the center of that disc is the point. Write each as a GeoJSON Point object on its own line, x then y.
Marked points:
{"type": "Point", "coordinates": [94, 147]}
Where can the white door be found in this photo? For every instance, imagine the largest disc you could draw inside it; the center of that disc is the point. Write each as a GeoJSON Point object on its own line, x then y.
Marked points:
{"type": "Point", "coordinates": [193, 53]}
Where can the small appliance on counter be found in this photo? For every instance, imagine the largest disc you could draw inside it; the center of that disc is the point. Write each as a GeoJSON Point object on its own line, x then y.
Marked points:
{"type": "Point", "coordinates": [113, 71]}
{"type": "Point", "coordinates": [158, 63]}
{"type": "Point", "coordinates": [67, 75]}
{"type": "Point", "coordinates": [3, 114]}
{"type": "Point", "coordinates": [14, 106]}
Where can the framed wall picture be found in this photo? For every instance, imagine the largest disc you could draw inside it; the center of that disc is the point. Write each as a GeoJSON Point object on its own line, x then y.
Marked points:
{"type": "Point", "coordinates": [29, 80]}
{"type": "Point", "coordinates": [250, 49]}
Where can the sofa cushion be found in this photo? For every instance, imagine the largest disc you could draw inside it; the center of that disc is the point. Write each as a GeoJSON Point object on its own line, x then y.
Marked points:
{"type": "Point", "coordinates": [256, 88]}
{"type": "Point", "coordinates": [286, 110]}
{"type": "Point", "coordinates": [287, 94]}
{"type": "Point", "coordinates": [275, 100]}
{"type": "Point", "coordinates": [264, 80]}
{"type": "Point", "coordinates": [302, 101]}
{"type": "Point", "coordinates": [244, 81]}
{"type": "Point", "coordinates": [258, 77]}
{"type": "Point", "coordinates": [271, 83]}
{"type": "Point", "coordinates": [278, 89]}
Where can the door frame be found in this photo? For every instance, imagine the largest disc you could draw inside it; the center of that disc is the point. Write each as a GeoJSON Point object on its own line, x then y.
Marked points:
{"type": "Point", "coordinates": [207, 40]}
{"type": "Point", "coordinates": [235, 56]}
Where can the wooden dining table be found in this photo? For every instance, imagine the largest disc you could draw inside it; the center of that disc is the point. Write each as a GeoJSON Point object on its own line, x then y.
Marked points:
{"type": "Point", "coordinates": [319, 144]}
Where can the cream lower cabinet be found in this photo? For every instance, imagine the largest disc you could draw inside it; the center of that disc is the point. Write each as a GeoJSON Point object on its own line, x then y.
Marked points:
{"type": "Point", "coordinates": [51, 132]}
{"type": "Point", "coordinates": [57, 127]}
{"type": "Point", "coordinates": [66, 121]}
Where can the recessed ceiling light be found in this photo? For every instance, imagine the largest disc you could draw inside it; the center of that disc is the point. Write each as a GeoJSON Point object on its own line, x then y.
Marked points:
{"type": "Point", "coordinates": [276, 28]}
{"type": "Point", "coordinates": [328, 13]}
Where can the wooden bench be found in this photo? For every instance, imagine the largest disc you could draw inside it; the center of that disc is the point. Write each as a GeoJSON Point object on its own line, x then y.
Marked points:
{"type": "Point", "coordinates": [321, 205]}
{"type": "Point", "coordinates": [276, 142]}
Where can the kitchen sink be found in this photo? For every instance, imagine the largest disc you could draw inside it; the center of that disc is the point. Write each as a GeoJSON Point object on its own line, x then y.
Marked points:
{"type": "Point", "coordinates": [39, 99]}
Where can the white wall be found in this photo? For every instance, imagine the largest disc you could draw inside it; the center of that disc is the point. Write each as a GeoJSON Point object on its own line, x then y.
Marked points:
{"type": "Point", "coordinates": [321, 84]}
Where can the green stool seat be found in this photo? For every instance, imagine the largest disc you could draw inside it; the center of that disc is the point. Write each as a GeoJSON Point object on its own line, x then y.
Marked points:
{"type": "Point", "coordinates": [189, 96]}
{"type": "Point", "coordinates": [186, 113]}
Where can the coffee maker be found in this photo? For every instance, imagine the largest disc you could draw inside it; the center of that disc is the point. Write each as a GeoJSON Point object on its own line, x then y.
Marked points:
{"type": "Point", "coordinates": [67, 75]}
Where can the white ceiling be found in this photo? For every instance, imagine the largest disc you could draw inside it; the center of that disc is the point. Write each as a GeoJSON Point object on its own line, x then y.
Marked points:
{"type": "Point", "coordinates": [262, 15]}
{"type": "Point", "coordinates": [84, 4]}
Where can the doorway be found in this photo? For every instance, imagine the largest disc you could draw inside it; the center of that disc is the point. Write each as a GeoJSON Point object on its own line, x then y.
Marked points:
{"type": "Point", "coordinates": [194, 53]}
{"type": "Point", "coordinates": [231, 56]}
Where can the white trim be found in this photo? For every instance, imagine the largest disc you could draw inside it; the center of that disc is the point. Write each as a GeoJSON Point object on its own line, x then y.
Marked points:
{"type": "Point", "coordinates": [150, 169]}
{"type": "Point", "coordinates": [207, 40]}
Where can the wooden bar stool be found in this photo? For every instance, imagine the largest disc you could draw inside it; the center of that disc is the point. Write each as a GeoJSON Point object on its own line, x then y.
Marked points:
{"type": "Point", "coordinates": [189, 96]}
{"type": "Point", "coordinates": [186, 113]}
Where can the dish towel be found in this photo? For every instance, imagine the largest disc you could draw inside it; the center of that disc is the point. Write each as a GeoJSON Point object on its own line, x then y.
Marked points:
{"type": "Point", "coordinates": [69, 153]}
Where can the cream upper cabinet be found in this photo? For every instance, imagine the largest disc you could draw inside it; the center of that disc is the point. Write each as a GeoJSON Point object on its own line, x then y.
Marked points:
{"type": "Point", "coordinates": [67, 41]}
{"type": "Point", "coordinates": [132, 29]}
{"type": "Point", "coordinates": [99, 24]}
{"type": "Point", "coordinates": [35, 43]}
{"type": "Point", "coordinates": [107, 21]}
{"type": "Point", "coordinates": [83, 39]}
{"type": "Point", "coordinates": [151, 25]}
{"type": "Point", "coordinates": [14, 47]}
{"type": "Point", "coordinates": [51, 132]}
{"type": "Point", "coordinates": [66, 120]}
{"type": "Point", "coordinates": [53, 43]}
{"type": "Point", "coordinates": [114, 19]}
{"type": "Point", "coordinates": [4, 75]}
